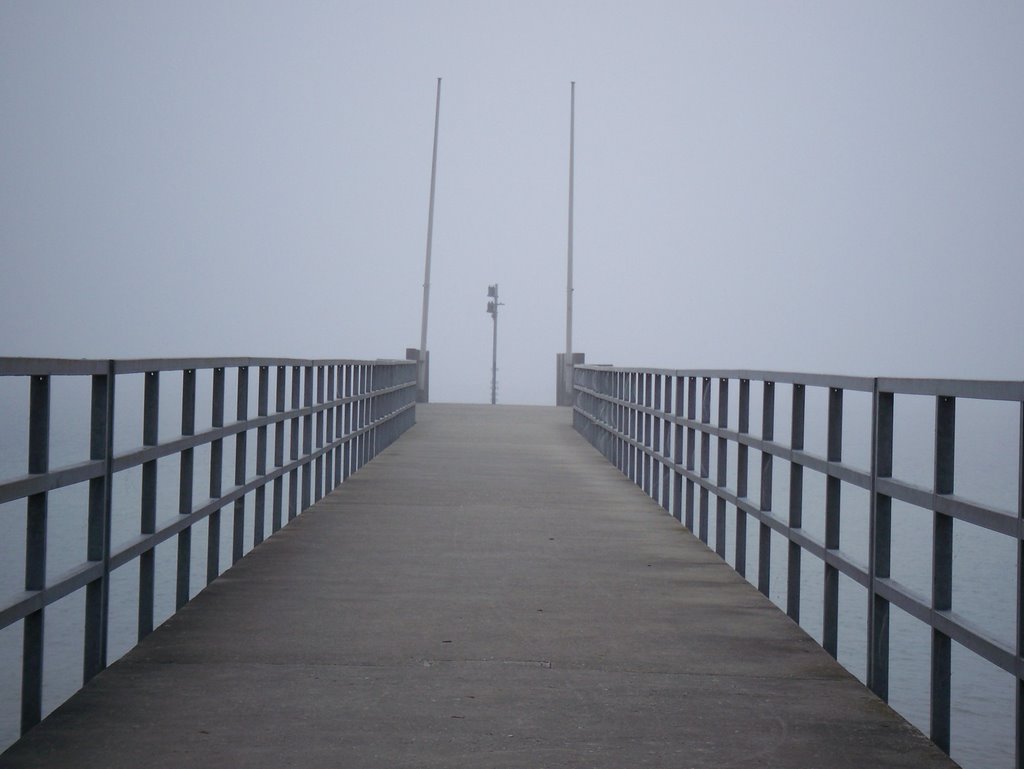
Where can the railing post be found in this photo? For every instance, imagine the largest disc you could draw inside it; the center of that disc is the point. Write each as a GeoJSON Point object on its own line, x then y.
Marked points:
{"type": "Point", "coordinates": [364, 415]}
{"type": "Point", "coordinates": [279, 405]}
{"type": "Point", "coordinates": [241, 414]}
{"type": "Point", "coordinates": [339, 427]}
{"type": "Point", "coordinates": [318, 473]}
{"type": "Point", "coordinates": [647, 440]}
{"type": "Point", "coordinates": [764, 555]}
{"type": "Point", "coordinates": [621, 458]}
{"type": "Point", "coordinates": [691, 447]}
{"type": "Point", "coordinates": [677, 451]}
{"type": "Point", "coordinates": [357, 418]}
{"type": "Point", "coordinates": [385, 377]}
{"type": "Point", "coordinates": [880, 543]}
{"type": "Point", "coordinates": [624, 410]}
{"type": "Point", "coordinates": [1019, 687]}
{"type": "Point", "coordinates": [307, 438]}
{"type": "Point", "coordinates": [293, 474]}
{"type": "Point", "coordinates": [833, 491]}
{"type": "Point", "coordinates": [723, 460]}
{"type": "Point", "coordinates": [366, 401]}
{"type": "Point", "coordinates": [666, 442]}
{"type": "Point", "coordinates": [796, 504]}
{"type": "Point", "coordinates": [705, 455]}
{"type": "Point", "coordinates": [632, 427]}
{"type": "Point", "coordinates": [742, 471]}
{"type": "Point", "coordinates": [371, 412]}
{"type": "Point", "coordinates": [339, 424]}
{"type": "Point", "coordinates": [35, 553]}
{"type": "Point", "coordinates": [147, 560]}
{"type": "Point", "coordinates": [216, 477]}
{"type": "Point", "coordinates": [942, 570]}
{"type": "Point", "coordinates": [631, 431]}
{"type": "Point", "coordinates": [609, 382]}
{"type": "Point", "coordinates": [346, 446]}
{"type": "Point", "coordinates": [259, 516]}
{"type": "Point", "coordinates": [185, 484]}
{"type": "Point", "coordinates": [654, 439]}
{"type": "Point", "coordinates": [638, 455]}
{"type": "Point", "coordinates": [101, 441]}
{"type": "Point", "coordinates": [328, 438]}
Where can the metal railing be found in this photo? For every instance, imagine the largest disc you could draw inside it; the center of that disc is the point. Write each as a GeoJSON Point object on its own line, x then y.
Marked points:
{"type": "Point", "coordinates": [339, 414]}
{"type": "Point", "coordinates": [647, 423]}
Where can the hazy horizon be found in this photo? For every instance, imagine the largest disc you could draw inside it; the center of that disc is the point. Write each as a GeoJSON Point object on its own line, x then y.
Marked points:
{"type": "Point", "coordinates": [795, 186]}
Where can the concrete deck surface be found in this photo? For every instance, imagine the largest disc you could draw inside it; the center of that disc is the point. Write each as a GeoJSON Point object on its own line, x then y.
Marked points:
{"type": "Point", "coordinates": [489, 592]}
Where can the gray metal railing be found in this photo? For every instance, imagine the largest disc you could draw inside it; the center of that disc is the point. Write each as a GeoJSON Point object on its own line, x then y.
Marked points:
{"type": "Point", "coordinates": [339, 414]}
{"type": "Point", "coordinates": [647, 423]}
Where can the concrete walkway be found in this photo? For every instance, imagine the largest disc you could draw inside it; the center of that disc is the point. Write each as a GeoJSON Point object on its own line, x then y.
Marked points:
{"type": "Point", "coordinates": [489, 592]}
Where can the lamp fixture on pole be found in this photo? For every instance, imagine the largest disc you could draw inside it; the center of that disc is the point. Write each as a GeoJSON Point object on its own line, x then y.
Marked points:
{"type": "Point", "coordinates": [492, 308]}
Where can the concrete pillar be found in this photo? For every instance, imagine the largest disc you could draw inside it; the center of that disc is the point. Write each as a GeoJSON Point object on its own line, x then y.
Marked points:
{"type": "Point", "coordinates": [422, 374]}
{"type": "Point", "coordinates": [563, 390]}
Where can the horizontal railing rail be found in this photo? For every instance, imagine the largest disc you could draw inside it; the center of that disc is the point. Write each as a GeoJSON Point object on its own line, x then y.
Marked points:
{"type": "Point", "coordinates": [337, 414]}
{"type": "Point", "coordinates": [656, 426]}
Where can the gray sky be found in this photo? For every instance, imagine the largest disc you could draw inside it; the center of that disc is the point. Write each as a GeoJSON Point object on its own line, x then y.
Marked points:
{"type": "Point", "coordinates": [819, 186]}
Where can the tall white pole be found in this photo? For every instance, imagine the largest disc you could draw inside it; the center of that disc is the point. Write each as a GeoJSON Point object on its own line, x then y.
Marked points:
{"type": "Point", "coordinates": [568, 283]}
{"type": "Point", "coordinates": [430, 237]}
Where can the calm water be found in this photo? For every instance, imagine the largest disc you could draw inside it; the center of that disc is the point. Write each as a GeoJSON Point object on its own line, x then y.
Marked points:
{"type": "Point", "coordinates": [984, 563]}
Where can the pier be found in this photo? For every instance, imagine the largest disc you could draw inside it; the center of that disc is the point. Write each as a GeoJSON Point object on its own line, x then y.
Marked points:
{"type": "Point", "coordinates": [487, 592]}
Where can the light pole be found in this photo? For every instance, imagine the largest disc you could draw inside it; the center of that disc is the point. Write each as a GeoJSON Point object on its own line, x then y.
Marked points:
{"type": "Point", "coordinates": [568, 281]}
{"type": "Point", "coordinates": [422, 372]}
{"type": "Point", "coordinates": [492, 308]}
{"type": "Point", "coordinates": [564, 362]}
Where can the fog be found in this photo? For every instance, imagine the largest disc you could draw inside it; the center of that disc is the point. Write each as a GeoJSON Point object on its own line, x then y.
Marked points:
{"type": "Point", "coordinates": [813, 186]}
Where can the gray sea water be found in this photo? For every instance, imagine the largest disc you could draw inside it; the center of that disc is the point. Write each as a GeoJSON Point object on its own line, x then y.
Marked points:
{"type": "Point", "coordinates": [984, 563]}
